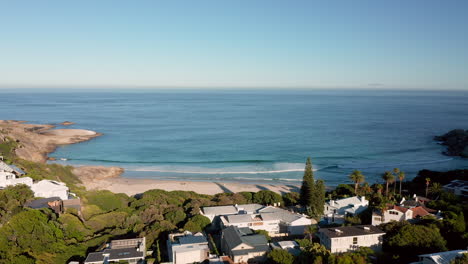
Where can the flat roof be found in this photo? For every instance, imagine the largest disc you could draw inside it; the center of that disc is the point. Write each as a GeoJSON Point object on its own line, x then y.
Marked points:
{"type": "Point", "coordinates": [346, 231]}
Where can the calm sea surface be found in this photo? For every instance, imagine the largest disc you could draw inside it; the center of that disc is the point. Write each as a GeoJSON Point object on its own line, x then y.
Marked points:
{"type": "Point", "coordinates": [251, 136]}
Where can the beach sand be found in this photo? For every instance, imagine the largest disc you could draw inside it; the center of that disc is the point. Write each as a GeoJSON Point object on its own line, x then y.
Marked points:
{"type": "Point", "coordinates": [108, 178]}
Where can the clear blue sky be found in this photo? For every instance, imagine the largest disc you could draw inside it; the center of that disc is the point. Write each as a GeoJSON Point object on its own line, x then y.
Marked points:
{"type": "Point", "coordinates": [417, 44]}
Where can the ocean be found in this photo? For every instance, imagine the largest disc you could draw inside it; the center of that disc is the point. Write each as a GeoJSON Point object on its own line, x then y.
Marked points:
{"type": "Point", "coordinates": [251, 136]}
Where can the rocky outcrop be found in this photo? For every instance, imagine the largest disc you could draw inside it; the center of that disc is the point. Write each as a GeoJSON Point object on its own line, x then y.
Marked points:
{"type": "Point", "coordinates": [35, 141]}
{"type": "Point", "coordinates": [456, 142]}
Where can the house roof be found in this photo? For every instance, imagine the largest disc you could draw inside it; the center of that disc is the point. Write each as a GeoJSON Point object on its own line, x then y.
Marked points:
{"type": "Point", "coordinates": [41, 203]}
{"type": "Point", "coordinates": [242, 218]}
{"type": "Point", "coordinates": [185, 240]}
{"type": "Point", "coordinates": [17, 170]}
{"type": "Point", "coordinates": [220, 210]}
{"type": "Point", "coordinates": [355, 200]}
{"type": "Point", "coordinates": [346, 231]}
{"type": "Point", "coordinates": [443, 257]}
{"type": "Point", "coordinates": [5, 167]}
{"type": "Point", "coordinates": [419, 211]}
{"type": "Point", "coordinates": [50, 185]}
{"type": "Point", "coordinates": [114, 255]}
{"type": "Point", "coordinates": [250, 207]}
{"type": "Point", "coordinates": [235, 236]}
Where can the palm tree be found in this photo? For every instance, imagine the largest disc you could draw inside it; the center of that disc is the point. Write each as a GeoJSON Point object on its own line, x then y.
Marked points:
{"type": "Point", "coordinates": [357, 177]}
{"type": "Point", "coordinates": [310, 231]}
{"type": "Point", "coordinates": [401, 177]}
{"type": "Point", "coordinates": [436, 188]}
{"type": "Point", "coordinates": [388, 178]}
{"type": "Point", "coordinates": [396, 172]}
{"type": "Point", "coordinates": [366, 188]}
{"type": "Point", "coordinates": [379, 188]}
{"type": "Point", "coordinates": [428, 180]}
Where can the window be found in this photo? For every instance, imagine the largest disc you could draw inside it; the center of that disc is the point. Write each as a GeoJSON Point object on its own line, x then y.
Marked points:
{"type": "Point", "coordinates": [378, 218]}
{"type": "Point", "coordinates": [354, 240]}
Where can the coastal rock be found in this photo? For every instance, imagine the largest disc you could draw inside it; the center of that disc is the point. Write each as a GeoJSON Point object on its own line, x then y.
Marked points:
{"type": "Point", "coordinates": [35, 142]}
{"type": "Point", "coordinates": [51, 158]}
{"type": "Point", "coordinates": [456, 142]}
{"type": "Point", "coordinates": [67, 123]}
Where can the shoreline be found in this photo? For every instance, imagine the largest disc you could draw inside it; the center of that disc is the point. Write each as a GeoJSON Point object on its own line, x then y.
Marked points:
{"type": "Point", "coordinates": [37, 141]}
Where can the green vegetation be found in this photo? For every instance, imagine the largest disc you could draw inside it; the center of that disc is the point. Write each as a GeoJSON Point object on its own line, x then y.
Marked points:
{"type": "Point", "coordinates": [280, 256]}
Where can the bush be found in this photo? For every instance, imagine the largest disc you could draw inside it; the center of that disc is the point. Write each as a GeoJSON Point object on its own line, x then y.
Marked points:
{"type": "Point", "coordinates": [266, 197]}
{"type": "Point", "coordinates": [280, 256]}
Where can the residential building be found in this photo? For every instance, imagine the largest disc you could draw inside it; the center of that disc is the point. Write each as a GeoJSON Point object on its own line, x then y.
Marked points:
{"type": "Point", "coordinates": [350, 238]}
{"type": "Point", "coordinates": [129, 250]}
{"type": "Point", "coordinates": [457, 187]}
{"type": "Point", "coordinates": [274, 220]}
{"type": "Point", "coordinates": [399, 213]}
{"type": "Point", "coordinates": [440, 257]}
{"type": "Point", "coordinates": [243, 245]}
{"type": "Point", "coordinates": [49, 188]}
{"type": "Point", "coordinates": [54, 203]}
{"type": "Point", "coordinates": [335, 211]}
{"type": "Point", "coordinates": [215, 211]}
{"type": "Point", "coordinates": [185, 248]}
{"type": "Point", "coordinates": [9, 176]}
{"type": "Point", "coordinates": [290, 246]}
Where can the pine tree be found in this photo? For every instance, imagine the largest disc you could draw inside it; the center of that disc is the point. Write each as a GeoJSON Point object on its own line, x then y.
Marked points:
{"type": "Point", "coordinates": [312, 192]}
{"type": "Point", "coordinates": [307, 184]}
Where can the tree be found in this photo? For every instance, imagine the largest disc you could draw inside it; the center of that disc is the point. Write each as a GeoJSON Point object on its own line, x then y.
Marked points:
{"type": "Point", "coordinates": [267, 197]}
{"type": "Point", "coordinates": [197, 223]}
{"type": "Point", "coordinates": [307, 184]}
{"type": "Point", "coordinates": [428, 181]}
{"type": "Point", "coordinates": [357, 177]}
{"type": "Point", "coordinates": [413, 240]}
{"type": "Point", "coordinates": [291, 198]}
{"type": "Point", "coordinates": [436, 188]}
{"type": "Point", "coordinates": [401, 177]}
{"type": "Point", "coordinates": [388, 178]}
{"type": "Point", "coordinates": [310, 231]}
{"type": "Point", "coordinates": [396, 172]}
{"type": "Point", "coordinates": [280, 256]}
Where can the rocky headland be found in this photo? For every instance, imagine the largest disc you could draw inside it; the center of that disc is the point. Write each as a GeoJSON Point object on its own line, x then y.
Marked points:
{"type": "Point", "coordinates": [456, 142]}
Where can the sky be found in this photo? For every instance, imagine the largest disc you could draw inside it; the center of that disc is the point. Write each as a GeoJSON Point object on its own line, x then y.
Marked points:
{"type": "Point", "coordinates": [418, 44]}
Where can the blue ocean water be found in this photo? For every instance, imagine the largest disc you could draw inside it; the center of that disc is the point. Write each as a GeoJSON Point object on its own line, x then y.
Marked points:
{"type": "Point", "coordinates": [258, 136]}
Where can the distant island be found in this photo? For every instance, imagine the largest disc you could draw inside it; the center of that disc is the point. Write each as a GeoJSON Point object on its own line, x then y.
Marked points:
{"type": "Point", "coordinates": [456, 142]}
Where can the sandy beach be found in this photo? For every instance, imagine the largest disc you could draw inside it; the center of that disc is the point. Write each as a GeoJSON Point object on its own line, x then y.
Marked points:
{"type": "Point", "coordinates": [36, 141]}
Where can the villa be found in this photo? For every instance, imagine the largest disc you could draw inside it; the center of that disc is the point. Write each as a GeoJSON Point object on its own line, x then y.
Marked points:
{"type": "Point", "coordinates": [185, 248]}
{"type": "Point", "coordinates": [128, 250]}
{"type": "Point", "coordinates": [350, 238]}
{"type": "Point", "coordinates": [243, 245]}
{"type": "Point", "coordinates": [274, 220]}
{"type": "Point", "coordinates": [9, 176]}
{"type": "Point", "coordinates": [49, 188]}
{"type": "Point", "coordinates": [403, 213]}
{"type": "Point", "coordinates": [335, 211]}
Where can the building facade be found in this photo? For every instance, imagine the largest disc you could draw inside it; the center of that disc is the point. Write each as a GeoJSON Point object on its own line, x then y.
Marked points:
{"type": "Point", "coordinates": [187, 248]}
{"type": "Point", "coordinates": [350, 238]}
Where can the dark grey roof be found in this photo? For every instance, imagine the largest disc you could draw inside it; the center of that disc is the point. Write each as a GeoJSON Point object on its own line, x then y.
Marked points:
{"type": "Point", "coordinates": [41, 203]}
{"type": "Point", "coordinates": [123, 253]}
{"type": "Point", "coordinates": [346, 231]}
{"type": "Point", "coordinates": [94, 257]}
{"type": "Point", "coordinates": [192, 240]}
{"type": "Point", "coordinates": [235, 236]}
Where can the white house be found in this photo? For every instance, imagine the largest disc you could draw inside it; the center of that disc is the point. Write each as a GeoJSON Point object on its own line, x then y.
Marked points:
{"type": "Point", "coordinates": [242, 245]}
{"type": "Point", "coordinates": [335, 211]}
{"type": "Point", "coordinates": [440, 257]}
{"type": "Point", "coordinates": [185, 248]}
{"type": "Point", "coordinates": [49, 188]}
{"type": "Point", "coordinates": [458, 187]}
{"type": "Point", "coordinates": [350, 238]}
{"type": "Point", "coordinates": [8, 178]}
{"type": "Point", "coordinates": [254, 216]}
{"type": "Point", "coordinates": [399, 213]}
